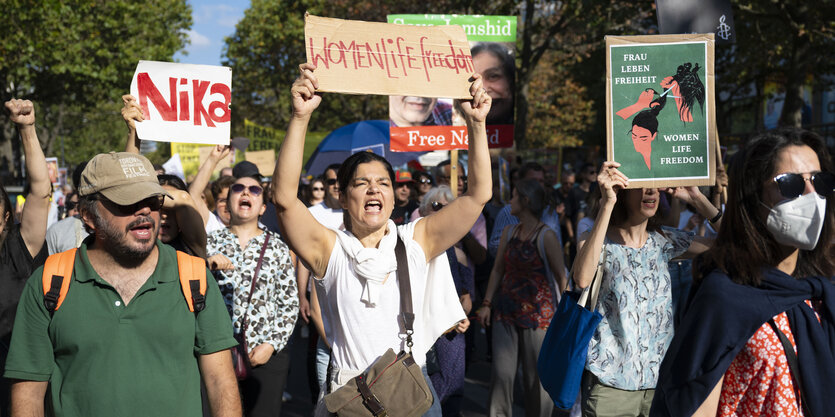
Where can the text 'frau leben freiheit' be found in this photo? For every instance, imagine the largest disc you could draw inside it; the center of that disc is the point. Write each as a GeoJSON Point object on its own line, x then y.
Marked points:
{"type": "Point", "coordinates": [635, 68]}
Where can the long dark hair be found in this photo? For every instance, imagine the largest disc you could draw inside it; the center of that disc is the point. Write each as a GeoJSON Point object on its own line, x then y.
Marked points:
{"type": "Point", "coordinates": [534, 195]}
{"type": "Point", "coordinates": [648, 119]}
{"type": "Point", "coordinates": [744, 245]}
{"type": "Point", "coordinates": [690, 86]}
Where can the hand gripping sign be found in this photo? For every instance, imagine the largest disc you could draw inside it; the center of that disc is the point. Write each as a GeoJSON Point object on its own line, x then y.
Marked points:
{"type": "Point", "coordinates": [183, 102]}
{"type": "Point", "coordinates": [358, 57]}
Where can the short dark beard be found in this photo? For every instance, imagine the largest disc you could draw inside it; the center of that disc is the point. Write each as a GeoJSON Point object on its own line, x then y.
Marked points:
{"type": "Point", "coordinates": [114, 241]}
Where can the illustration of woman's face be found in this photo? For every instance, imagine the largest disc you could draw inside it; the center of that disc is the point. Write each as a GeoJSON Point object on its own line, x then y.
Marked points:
{"type": "Point", "coordinates": [410, 111]}
{"type": "Point", "coordinates": [642, 140]}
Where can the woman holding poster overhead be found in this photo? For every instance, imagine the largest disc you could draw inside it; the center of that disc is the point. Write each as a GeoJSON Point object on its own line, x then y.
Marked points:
{"type": "Point", "coordinates": [758, 335]}
{"type": "Point", "coordinates": [356, 270]}
{"type": "Point", "coordinates": [635, 292]}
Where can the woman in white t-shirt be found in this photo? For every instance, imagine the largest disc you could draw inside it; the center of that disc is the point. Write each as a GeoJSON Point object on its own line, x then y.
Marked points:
{"type": "Point", "coordinates": [357, 285]}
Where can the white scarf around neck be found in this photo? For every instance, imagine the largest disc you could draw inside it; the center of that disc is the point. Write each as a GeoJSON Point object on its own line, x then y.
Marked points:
{"type": "Point", "coordinates": [372, 265]}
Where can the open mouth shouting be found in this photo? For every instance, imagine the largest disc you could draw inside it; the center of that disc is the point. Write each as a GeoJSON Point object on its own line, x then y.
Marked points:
{"type": "Point", "coordinates": [373, 206]}
{"type": "Point", "coordinates": [649, 203]}
{"type": "Point", "coordinates": [142, 229]}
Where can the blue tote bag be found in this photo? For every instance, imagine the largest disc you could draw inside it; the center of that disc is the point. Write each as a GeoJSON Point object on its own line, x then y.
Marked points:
{"type": "Point", "coordinates": [562, 356]}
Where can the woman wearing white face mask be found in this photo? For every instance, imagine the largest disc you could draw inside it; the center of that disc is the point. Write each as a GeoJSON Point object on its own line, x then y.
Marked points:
{"type": "Point", "coordinates": [758, 334]}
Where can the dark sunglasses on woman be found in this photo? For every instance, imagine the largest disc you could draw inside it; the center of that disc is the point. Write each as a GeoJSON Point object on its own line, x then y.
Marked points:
{"type": "Point", "coordinates": [437, 205]}
{"type": "Point", "coordinates": [253, 189]}
{"type": "Point", "coordinates": [792, 184]}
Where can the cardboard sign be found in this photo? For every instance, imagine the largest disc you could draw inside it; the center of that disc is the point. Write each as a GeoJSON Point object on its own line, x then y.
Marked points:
{"type": "Point", "coordinates": [183, 102]}
{"type": "Point", "coordinates": [358, 57]}
{"type": "Point", "coordinates": [697, 16]}
{"type": "Point", "coordinates": [660, 107]}
{"type": "Point", "coordinates": [262, 137]}
{"type": "Point", "coordinates": [427, 124]}
{"type": "Point", "coordinates": [264, 160]}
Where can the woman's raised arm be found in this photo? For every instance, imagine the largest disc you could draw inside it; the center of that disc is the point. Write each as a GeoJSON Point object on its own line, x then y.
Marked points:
{"type": "Point", "coordinates": [588, 254]}
{"type": "Point", "coordinates": [311, 240]}
{"type": "Point", "coordinates": [442, 229]}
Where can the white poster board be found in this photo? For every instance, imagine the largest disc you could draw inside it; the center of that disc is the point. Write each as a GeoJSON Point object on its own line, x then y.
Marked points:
{"type": "Point", "coordinates": [183, 102]}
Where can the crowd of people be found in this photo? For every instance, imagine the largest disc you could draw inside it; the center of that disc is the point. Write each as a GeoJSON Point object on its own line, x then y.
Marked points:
{"type": "Point", "coordinates": [129, 300]}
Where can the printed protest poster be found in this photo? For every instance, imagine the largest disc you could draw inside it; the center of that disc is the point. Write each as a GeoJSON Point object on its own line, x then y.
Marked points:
{"type": "Point", "coordinates": [52, 170]}
{"type": "Point", "coordinates": [661, 120]}
{"type": "Point", "coordinates": [183, 102]}
{"type": "Point", "coordinates": [359, 57]}
{"type": "Point", "coordinates": [264, 160]}
{"type": "Point", "coordinates": [431, 123]}
{"type": "Point", "coordinates": [262, 137]}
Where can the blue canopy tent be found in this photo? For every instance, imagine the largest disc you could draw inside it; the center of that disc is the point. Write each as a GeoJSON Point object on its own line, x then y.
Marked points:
{"type": "Point", "coordinates": [369, 135]}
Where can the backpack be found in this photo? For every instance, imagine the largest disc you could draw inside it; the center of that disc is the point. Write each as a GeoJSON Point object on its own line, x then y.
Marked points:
{"type": "Point", "coordinates": [57, 275]}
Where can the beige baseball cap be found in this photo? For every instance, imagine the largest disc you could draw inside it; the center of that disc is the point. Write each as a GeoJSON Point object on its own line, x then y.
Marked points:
{"type": "Point", "coordinates": [122, 177]}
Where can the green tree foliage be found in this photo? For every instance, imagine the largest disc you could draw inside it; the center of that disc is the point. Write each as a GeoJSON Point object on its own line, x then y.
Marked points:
{"type": "Point", "coordinates": [268, 45]}
{"type": "Point", "coordinates": [782, 42]}
{"type": "Point", "coordinates": [75, 59]}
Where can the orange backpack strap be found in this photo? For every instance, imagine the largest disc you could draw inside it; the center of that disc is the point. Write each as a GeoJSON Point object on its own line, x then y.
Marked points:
{"type": "Point", "coordinates": [192, 280]}
{"type": "Point", "coordinates": [57, 275]}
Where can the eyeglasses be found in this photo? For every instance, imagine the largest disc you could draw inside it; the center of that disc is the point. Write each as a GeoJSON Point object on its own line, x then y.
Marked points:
{"type": "Point", "coordinates": [437, 205]}
{"type": "Point", "coordinates": [792, 184]}
{"type": "Point", "coordinates": [425, 181]}
{"type": "Point", "coordinates": [330, 181]}
{"type": "Point", "coordinates": [253, 189]}
{"type": "Point", "coordinates": [154, 203]}
{"type": "Point", "coordinates": [318, 189]}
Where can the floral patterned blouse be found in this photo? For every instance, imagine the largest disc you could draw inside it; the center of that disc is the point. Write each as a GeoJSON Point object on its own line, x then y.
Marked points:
{"type": "Point", "coordinates": [759, 382]}
{"type": "Point", "coordinates": [636, 303]}
{"type": "Point", "coordinates": [275, 303]}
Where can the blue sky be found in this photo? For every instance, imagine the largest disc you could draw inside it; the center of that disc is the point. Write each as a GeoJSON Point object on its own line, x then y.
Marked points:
{"type": "Point", "coordinates": [213, 20]}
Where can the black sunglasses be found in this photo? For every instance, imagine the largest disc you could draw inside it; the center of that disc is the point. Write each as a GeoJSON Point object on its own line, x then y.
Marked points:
{"type": "Point", "coordinates": [253, 189]}
{"type": "Point", "coordinates": [330, 181]}
{"type": "Point", "coordinates": [792, 184]}
{"type": "Point", "coordinates": [154, 203]}
{"type": "Point", "coordinates": [318, 189]}
{"type": "Point", "coordinates": [437, 205]}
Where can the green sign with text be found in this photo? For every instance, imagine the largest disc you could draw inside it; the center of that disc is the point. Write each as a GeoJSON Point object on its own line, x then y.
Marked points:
{"type": "Point", "coordinates": [660, 110]}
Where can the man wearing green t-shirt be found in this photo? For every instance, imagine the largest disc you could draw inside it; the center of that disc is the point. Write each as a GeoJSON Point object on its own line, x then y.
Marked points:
{"type": "Point", "coordinates": [123, 341]}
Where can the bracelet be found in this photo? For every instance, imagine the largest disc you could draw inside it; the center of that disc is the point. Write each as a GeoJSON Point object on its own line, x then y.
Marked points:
{"type": "Point", "coordinates": [486, 303]}
{"type": "Point", "coordinates": [716, 217]}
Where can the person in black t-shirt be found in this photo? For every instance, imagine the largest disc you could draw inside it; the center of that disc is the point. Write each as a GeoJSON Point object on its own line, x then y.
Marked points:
{"type": "Point", "coordinates": [404, 201]}
{"type": "Point", "coordinates": [22, 246]}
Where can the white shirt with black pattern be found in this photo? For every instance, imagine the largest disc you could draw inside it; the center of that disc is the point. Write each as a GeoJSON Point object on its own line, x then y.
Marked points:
{"type": "Point", "coordinates": [275, 302]}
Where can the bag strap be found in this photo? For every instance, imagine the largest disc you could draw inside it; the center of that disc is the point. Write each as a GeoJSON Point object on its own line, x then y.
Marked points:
{"type": "Point", "coordinates": [56, 278]}
{"type": "Point", "coordinates": [549, 274]}
{"type": "Point", "coordinates": [593, 290]}
{"type": "Point", "coordinates": [794, 366]}
{"type": "Point", "coordinates": [254, 280]}
{"type": "Point", "coordinates": [192, 271]}
{"type": "Point", "coordinates": [405, 290]}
